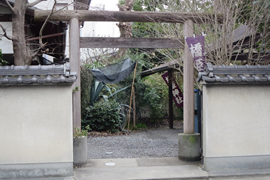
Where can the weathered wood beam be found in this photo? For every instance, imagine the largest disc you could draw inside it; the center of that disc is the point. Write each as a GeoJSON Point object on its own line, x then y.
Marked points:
{"type": "Point", "coordinates": [128, 16]}
{"type": "Point", "coordinates": [158, 43]}
{"type": "Point", "coordinates": [46, 36]}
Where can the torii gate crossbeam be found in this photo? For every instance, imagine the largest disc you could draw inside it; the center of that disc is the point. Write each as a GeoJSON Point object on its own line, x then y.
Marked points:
{"type": "Point", "coordinates": [128, 16]}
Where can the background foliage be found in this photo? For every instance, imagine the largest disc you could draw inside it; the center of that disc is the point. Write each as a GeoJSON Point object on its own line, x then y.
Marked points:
{"type": "Point", "coordinates": [86, 81]}
{"type": "Point", "coordinates": [2, 61]}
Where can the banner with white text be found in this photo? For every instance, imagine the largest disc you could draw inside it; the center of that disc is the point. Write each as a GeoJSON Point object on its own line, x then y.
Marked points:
{"type": "Point", "coordinates": [196, 47]}
{"type": "Point", "coordinates": [177, 94]}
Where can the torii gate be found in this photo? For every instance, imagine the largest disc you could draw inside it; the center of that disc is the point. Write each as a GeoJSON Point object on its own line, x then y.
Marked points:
{"type": "Point", "coordinates": [76, 42]}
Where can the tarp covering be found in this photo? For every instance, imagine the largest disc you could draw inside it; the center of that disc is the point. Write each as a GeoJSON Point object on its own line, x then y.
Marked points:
{"type": "Point", "coordinates": [114, 73]}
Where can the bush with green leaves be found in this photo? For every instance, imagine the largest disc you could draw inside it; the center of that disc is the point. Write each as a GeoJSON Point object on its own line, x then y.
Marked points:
{"type": "Point", "coordinates": [103, 116]}
{"type": "Point", "coordinates": [81, 132]}
{"type": "Point", "coordinates": [2, 62]}
{"type": "Point", "coordinates": [86, 81]}
{"type": "Point", "coordinates": [141, 126]}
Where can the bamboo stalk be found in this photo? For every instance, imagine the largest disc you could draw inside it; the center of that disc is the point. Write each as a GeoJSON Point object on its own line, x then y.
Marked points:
{"type": "Point", "coordinates": [134, 109]}
{"type": "Point", "coordinates": [131, 95]}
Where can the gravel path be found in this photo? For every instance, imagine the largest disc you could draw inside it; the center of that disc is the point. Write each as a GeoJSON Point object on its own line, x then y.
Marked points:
{"type": "Point", "coordinates": [161, 142]}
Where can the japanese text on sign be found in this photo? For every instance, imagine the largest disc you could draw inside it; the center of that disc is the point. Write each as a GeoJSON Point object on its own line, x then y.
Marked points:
{"type": "Point", "coordinates": [177, 94]}
{"type": "Point", "coordinates": [196, 46]}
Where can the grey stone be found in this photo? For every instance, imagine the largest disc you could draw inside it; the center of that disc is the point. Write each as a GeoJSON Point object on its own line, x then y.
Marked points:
{"type": "Point", "coordinates": [144, 143]}
{"type": "Point", "coordinates": [236, 163]}
{"type": "Point", "coordinates": [26, 171]}
{"type": "Point", "coordinates": [37, 75]}
{"type": "Point", "coordinates": [129, 168]}
{"type": "Point", "coordinates": [189, 147]}
{"type": "Point", "coordinates": [80, 151]}
{"type": "Point", "coordinates": [169, 168]}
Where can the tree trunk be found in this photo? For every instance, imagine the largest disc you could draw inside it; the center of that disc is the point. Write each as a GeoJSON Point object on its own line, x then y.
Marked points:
{"type": "Point", "coordinates": [21, 53]}
{"type": "Point", "coordinates": [125, 27]}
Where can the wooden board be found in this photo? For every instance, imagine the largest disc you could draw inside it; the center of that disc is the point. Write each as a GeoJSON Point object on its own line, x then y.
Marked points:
{"type": "Point", "coordinates": [158, 43]}
{"type": "Point", "coordinates": [128, 16]}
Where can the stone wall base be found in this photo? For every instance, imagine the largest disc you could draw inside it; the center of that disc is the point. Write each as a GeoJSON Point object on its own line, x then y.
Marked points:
{"type": "Point", "coordinates": [25, 171]}
{"type": "Point", "coordinates": [236, 163]}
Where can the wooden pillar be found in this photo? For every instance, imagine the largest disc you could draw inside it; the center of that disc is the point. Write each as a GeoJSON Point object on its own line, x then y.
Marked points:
{"type": "Point", "coordinates": [170, 77]}
{"type": "Point", "coordinates": [188, 82]}
{"type": "Point", "coordinates": [74, 59]}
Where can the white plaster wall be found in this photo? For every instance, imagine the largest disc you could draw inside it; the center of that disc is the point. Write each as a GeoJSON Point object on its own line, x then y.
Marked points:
{"type": "Point", "coordinates": [48, 4]}
{"type": "Point", "coordinates": [5, 44]}
{"type": "Point", "coordinates": [236, 120]}
{"type": "Point", "coordinates": [146, 112]}
{"type": "Point", "coordinates": [36, 124]}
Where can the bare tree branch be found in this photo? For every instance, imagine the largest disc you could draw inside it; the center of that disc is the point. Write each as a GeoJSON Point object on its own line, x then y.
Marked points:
{"type": "Point", "coordinates": [39, 49]}
{"type": "Point", "coordinates": [10, 7]}
{"type": "Point", "coordinates": [5, 33]}
{"type": "Point", "coordinates": [127, 7]}
{"type": "Point", "coordinates": [129, 4]}
{"type": "Point", "coordinates": [41, 45]}
{"type": "Point", "coordinates": [34, 3]}
{"type": "Point", "coordinates": [44, 24]}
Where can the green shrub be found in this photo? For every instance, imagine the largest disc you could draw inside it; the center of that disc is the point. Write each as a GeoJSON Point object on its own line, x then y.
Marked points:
{"type": "Point", "coordinates": [1, 55]}
{"type": "Point", "coordinates": [86, 81]}
{"type": "Point", "coordinates": [156, 96]}
{"type": "Point", "coordinates": [141, 126]}
{"type": "Point", "coordinates": [103, 116]}
{"type": "Point", "coordinates": [80, 133]}
{"type": "Point", "coordinates": [2, 62]}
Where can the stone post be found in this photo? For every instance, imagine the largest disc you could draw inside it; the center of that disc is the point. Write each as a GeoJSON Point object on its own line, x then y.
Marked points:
{"type": "Point", "coordinates": [188, 82]}
{"type": "Point", "coordinates": [74, 59]}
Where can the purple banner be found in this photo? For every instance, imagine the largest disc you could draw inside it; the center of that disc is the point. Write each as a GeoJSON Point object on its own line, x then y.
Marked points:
{"type": "Point", "coordinates": [177, 94]}
{"type": "Point", "coordinates": [196, 47]}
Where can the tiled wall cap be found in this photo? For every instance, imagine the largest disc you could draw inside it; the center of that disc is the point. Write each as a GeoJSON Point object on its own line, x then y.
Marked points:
{"type": "Point", "coordinates": [235, 74]}
{"type": "Point", "coordinates": [38, 75]}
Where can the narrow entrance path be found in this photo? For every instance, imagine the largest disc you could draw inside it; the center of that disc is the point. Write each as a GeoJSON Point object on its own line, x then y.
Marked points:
{"type": "Point", "coordinates": [162, 142]}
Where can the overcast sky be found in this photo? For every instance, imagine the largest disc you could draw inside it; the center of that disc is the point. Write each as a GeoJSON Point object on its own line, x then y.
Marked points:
{"type": "Point", "coordinates": [109, 4]}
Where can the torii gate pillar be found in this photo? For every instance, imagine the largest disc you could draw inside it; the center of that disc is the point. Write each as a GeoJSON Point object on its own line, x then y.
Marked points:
{"type": "Point", "coordinates": [74, 59]}
{"type": "Point", "coordinates": [189, 142]}
{"type": "Point", "coordinates": [188, 82]}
